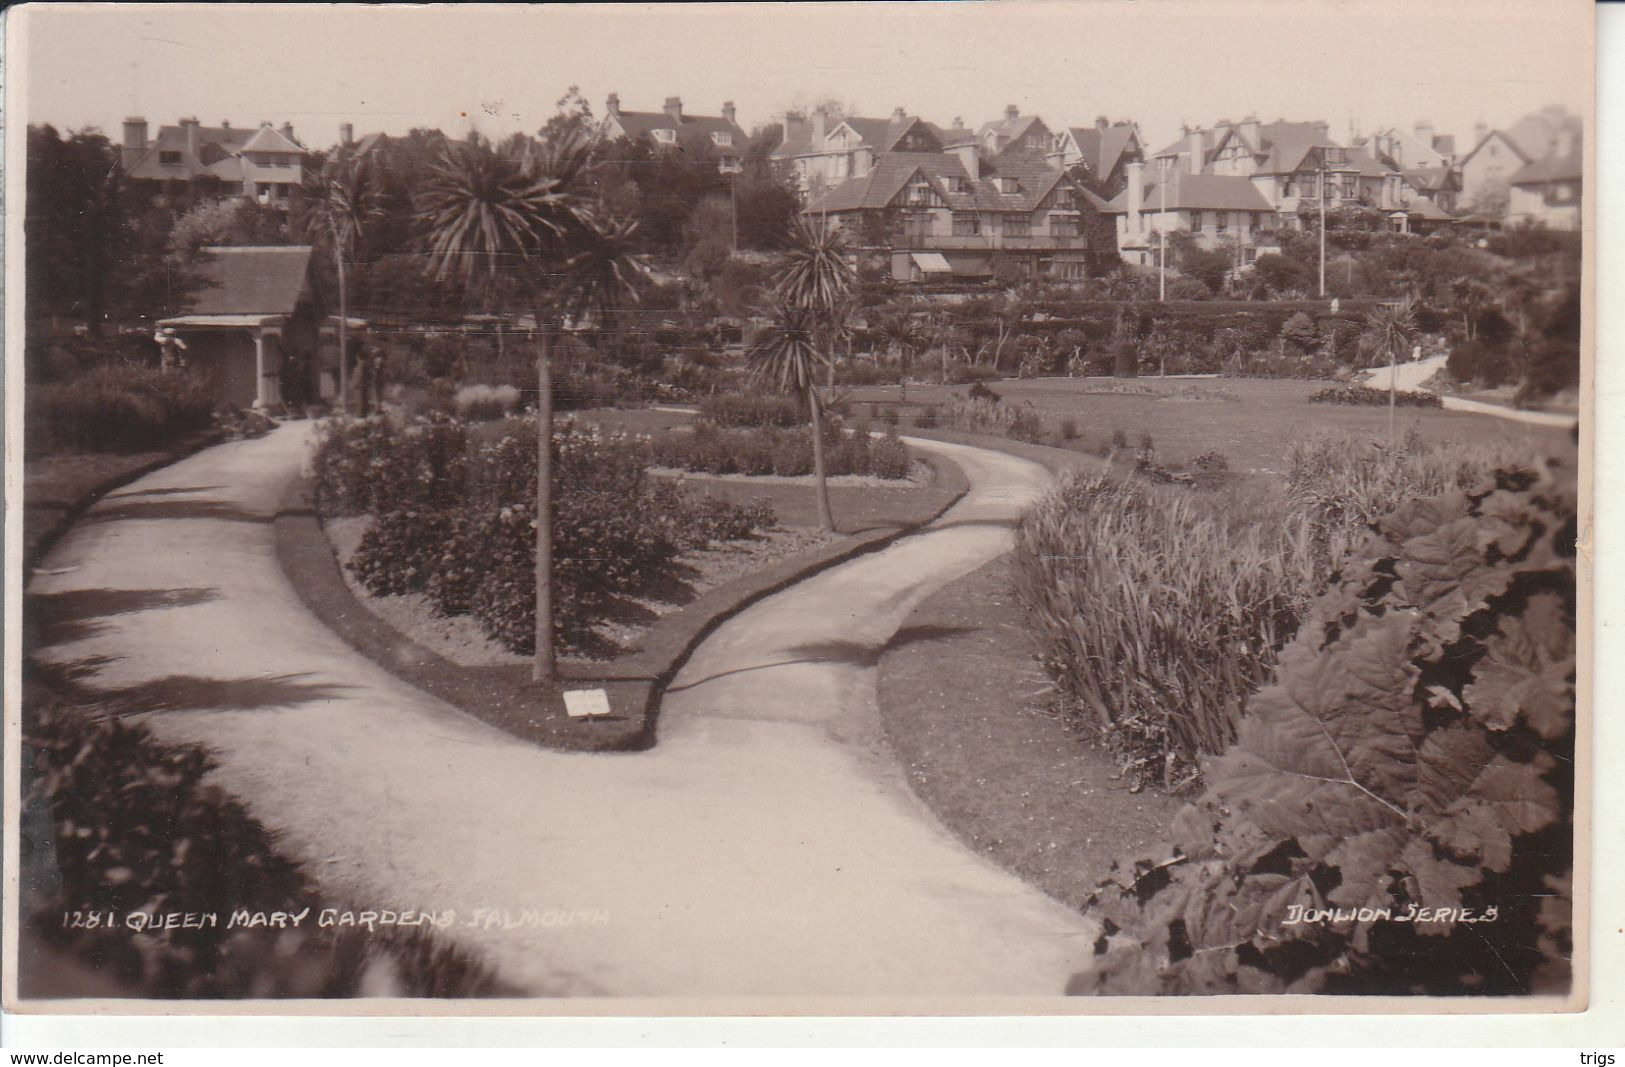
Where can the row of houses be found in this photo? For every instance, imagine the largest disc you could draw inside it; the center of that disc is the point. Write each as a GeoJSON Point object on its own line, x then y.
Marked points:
{"type": "Point", "coordinates": [1059, 202]}
{"type": "Point", "coordinates": [949, 200]}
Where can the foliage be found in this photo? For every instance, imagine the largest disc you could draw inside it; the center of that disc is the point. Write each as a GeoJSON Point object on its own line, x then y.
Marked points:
{"type": "Point", "coordinates": [455, 519]}
{"type": "Point", "coordinates": [1366, 396]}
{"type": "Point", "coordinates": [234, 221]}
{"type": "Point", "coordinates": [974, 374]}
{"type": "Point", "coordinates": [1299, 332]}
{"type": "Point", "coordinates": [1208, 266]}
{"type": "Point", "coordinates": [1415, 753]}
{"type": "Point", "coordinates": [1481, 363]}
{"type": "Point", "coordinates": [116, 408]}
{"type": "Point", "coordinates": [986, 415]}
{"type": "Point", "coordinates": [134, 827]}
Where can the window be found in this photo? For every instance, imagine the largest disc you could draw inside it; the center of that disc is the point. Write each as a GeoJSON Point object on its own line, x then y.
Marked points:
{"type": "Point", "coordinates": [730, 165]}
{"type": "Point", "coordinates": [1009, 185]}
{"type": "Point", "coordinates": [1018, 226]}
{"type": "Point", "coordinates": [1065, 226]}
{"type": "Point", "coordinates": [722, 137]}
{"type": "Point", "coordinates": [1224, 221]}
{"type": "Point", "coordinates": [967, 224]}
{"type": "Point", "coordinates": [1196, 220]}
{"type": "Point", "coordinates": [665, 136]}
{"type": "Point", "coordinates": [169, 159]}
{"type": "Point", "coordinates": [1065, 199]}
{"type": "Point", "coordinates": [263, 191]}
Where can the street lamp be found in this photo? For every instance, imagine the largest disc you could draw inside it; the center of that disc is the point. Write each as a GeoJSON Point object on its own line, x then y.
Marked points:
{"type": "Point", "coordinates": [1162, 236]}
{"type": "Point", "coordinates": [1327, 155]}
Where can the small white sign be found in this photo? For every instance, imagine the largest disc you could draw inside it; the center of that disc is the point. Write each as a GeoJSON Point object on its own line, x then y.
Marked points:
{"type": "Point", "coordinates": [579, 703]}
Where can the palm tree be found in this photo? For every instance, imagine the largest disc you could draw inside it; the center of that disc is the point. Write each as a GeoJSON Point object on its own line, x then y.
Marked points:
{"type": "Point", "coordinates": [341, 198]}
{"type": "Point", "coordinates": [1389, 332]}
{"type": "Point", "coordinates": [788, 352]}
{"type": "Point", "coordinates": [522, 214]}
{"type": "Point", "coordinates": [902, 329]}
{"type": "Point", "coordinates": [816, 272]}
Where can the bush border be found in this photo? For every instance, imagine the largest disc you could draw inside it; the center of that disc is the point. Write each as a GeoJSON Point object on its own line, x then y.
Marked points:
{"type": "Point", "coordinates": [505, 697]}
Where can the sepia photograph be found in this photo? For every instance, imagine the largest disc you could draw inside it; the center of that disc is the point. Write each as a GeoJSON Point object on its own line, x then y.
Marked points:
{"type": "Point", "coordinates": [851, 509]}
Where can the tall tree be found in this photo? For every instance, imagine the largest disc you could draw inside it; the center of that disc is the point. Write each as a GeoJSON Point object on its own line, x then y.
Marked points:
{"type": "Point", "coordinates": [340, 198]}
{"type": "Point", "coordinates": [76, 225]}
{"type": "Point", "coordinates": [524, 216]}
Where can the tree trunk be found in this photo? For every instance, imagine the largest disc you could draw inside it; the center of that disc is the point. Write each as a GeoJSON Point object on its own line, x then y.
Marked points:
{"type": "Point", "coordinates": [826, 518]}
{"type": "Point", "coordinates": [344, 325]}
{"type": "Point", "coordinates": [1393, 389]}
{"type": "Point", "coordinates": [542, 667]}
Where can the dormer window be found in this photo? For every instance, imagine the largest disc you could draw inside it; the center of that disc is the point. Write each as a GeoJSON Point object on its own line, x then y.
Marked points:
{"type": "Point", "coordinates": [666, 136]}
{"type": "Point", "coordinates": [170, 159]}
{"type": "Point", "coordinates": [1009, 185]}
{"type": "Point", "coordinates": [722, 137]}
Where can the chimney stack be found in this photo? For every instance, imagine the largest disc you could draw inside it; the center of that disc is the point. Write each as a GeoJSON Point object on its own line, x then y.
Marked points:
{"type": "Point", "coordinates": [1102, 123]}
{"type": "Point", "coordinates": [346, 134]}
{"type": "Point", "coordinates": [287, 131]}
{"type": "Point", "coordinates": [1011, 112]}
{"type": "Point", "coordinates": [898, 114]}
{"type": "Point", "coordinates": [190, 126]}
{"type": "Point", "coordinates": [795, 124]}
{"type": "Point", "coordinates": [1136, 195]}
{"type": "Point", "coordinates": [1197, 152]}
{"type": "Point", "coordinates": [820, 118]}
{"type": "Point", "coordinates": [135, 140]}
{"type": "Point", "coordinates": [728, 112]}
{"type": "Point", "coordinates": [674, 108]}
{"type": "Point", "coordinates": [1481, 130]}
{"type": "Point", "coordinates": [612, 105]}
{"type": "Point", "coordinates": [965, 152]}
{"type": "Point", "coordinates": [959, 122]}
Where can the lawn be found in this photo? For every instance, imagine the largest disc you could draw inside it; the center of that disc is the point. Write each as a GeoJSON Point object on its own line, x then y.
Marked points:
{"type": "Point", "coordinates": [965, 716]}
{"type": "Point", "coordinates": [1251, 421]}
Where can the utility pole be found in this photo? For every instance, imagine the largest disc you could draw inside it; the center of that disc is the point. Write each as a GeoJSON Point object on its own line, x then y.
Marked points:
{"type": "Point", "coordinates": [733, 207]}
{"type": "Point", "coordinates": [1322, 189]}
{"type": "Point", "coordinates": [1162, 237]}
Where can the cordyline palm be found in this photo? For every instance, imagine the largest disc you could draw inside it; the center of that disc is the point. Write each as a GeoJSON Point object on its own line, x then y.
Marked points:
{"type": "Point", "coordinates": [1388, 333]}
{"type": "Point", "coordinates": [903, 330]}
{"type": "Point", "coordinates": [521, 214]}
{"type": "Point", "coordinates": [341, 198]}
{"type": "Point", "coordinates": [787, 352]}
{"type": "Point", "coordinates": [812, 308]}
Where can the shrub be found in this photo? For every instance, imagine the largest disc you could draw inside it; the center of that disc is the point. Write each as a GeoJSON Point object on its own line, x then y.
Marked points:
{"type": "Point", "coordinates": [115, 408]}
{"type": "Point", "coordinates": [1476, 361]}
{"type": "Point", "coordinates": [792, 455]}
{"type": "Point", "coordinates": [1365, 396]}
{"type": "Point", "coordinates": [1069, 428]}
{"type": "Point", "coordinates": [483, 403]}
{"type": "Point", "coordinates": [889, 458]}
{"type": "Point", "coordinates": [927, 419]}
{"type": "Point", "coordinates": [1416, 752]}
{"type": "Point", "coordinates": [753, 409]}
{"type": "Point", "coordinates": [1210, 470]}
{"type": "Point", "coordinates": [135, 826]}
{"type": "Point", "coordinates": [974, 374]}
{"type": "Point", "coordinates": [978, 391]}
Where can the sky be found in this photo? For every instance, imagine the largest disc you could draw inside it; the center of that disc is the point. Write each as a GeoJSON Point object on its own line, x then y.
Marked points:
{"type": "Point", "coordinates": [1162, 63]}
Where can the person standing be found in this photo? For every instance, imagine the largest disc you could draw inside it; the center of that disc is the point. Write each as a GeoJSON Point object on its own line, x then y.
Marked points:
{"type": "Point", "coordinates": [170, 349]}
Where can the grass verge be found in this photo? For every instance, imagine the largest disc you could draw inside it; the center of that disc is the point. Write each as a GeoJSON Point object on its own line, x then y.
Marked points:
{"type": "Point", "coordinates": [965, 716]}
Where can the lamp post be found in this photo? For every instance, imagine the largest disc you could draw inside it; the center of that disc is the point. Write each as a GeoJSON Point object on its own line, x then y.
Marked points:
{"type": "Point", "coordinates": [1321, 188]}
{"type": "Point", "coordinates": [1162, 237]}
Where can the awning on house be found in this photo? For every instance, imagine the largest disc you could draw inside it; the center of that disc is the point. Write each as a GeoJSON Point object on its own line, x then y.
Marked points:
{"type": "Point", "coordinates": [972, 266]}
{"type": "Point", "coordinates": [931, 262]}
{"type": "Point", "coordinates": [222, 321]}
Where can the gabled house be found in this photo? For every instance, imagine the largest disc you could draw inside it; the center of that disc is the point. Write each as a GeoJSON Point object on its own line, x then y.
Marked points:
{"type": "Point", "coordinates": [1227, 212]}
{"type": "Point", "coordinates": [1100, 154]}
{"type": "Point", "coordinates": [1547, 192]}
{"type": "Point", "coordinates": [254, 327]}
{"type": "Point", "coordinates": [1497, 154]}
{"type": "Point", "coordinates": [671, 129]}
{"type": "Point", "coordinates": [826, 149]}
{"type": "Point", "coordinates": [1415, 149]}
{"type": "Point", "coordinates": [958, 214]}
{"type": "Point", "coordinates": [1014, 132]}
{"type": "Point", "coordinates": [260, 163]}
{"type": "Point", "coordinates": [1440, 186]}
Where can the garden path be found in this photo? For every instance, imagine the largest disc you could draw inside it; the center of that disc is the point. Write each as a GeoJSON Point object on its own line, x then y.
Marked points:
{"type": "Point", "coordinates": [767, 846]}
{"type": "Point", "coordinates": [1411, 376]}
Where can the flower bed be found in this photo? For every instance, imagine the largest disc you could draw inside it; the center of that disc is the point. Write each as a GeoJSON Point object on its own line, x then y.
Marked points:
{"type": "Point", "coordinates": [454, 520]}
{"type": "Point", "coordinates": [1365, 396]}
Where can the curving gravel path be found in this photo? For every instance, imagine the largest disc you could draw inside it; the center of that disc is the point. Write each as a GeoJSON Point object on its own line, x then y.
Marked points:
{"type": "Point", "coordinates": [767, 846]}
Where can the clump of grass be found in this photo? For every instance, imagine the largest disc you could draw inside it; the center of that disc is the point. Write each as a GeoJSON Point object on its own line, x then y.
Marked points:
{"type": "Point", "coordinates": [1156, 617]}
{"type": "Point", "coordinates": [485, 403]}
